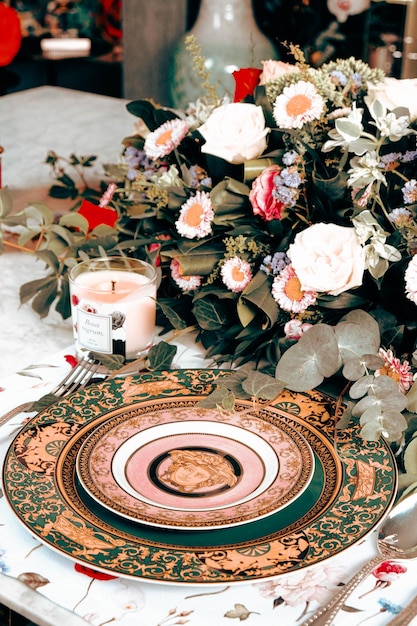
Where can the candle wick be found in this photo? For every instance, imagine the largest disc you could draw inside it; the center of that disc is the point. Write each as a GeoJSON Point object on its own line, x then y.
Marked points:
{"type": "Point", "coordinates": [113, 286]}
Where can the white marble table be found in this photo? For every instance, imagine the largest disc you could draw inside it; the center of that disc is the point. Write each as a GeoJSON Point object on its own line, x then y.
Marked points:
{"type": "Point", "coordinates": [53, 118]}
{"type": "Point", "coordinates": [33, 122]}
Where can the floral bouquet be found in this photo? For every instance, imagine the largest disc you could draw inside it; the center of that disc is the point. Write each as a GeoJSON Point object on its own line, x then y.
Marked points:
{"type": "Point", "coordinates": [282, 223]}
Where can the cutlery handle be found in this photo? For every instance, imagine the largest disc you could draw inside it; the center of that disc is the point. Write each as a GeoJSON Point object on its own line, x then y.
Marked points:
{"type": "Point", "coordinates": [325, 615]}
{"type": "Point", "coordinates": [406, 615]}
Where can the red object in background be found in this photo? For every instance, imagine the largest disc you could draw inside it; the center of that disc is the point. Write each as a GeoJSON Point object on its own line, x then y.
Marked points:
{"type": "Point", "coordinates": [10, 34]}
{"type": "Point", "coordinates": [246, 80]}
{"type": "Point", "coordinates": [96, 215]}
{"type": "Point", "coordinates": [110, 20]}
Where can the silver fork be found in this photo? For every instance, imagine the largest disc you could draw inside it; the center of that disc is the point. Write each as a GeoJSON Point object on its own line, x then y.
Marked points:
{"type": "Point", "coordinates": [76, 379]}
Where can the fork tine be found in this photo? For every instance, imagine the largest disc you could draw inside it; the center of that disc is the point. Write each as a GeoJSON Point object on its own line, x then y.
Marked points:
{"type": "Point", "coordinates": [77, 378]}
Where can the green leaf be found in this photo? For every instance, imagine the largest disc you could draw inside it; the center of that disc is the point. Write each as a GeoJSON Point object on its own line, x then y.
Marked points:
{"type": "Point", "coordinates": [63, 193]}
{"type": "Point", "coordinates": [111, 361]}
{"type": "Point", "coordinates": [171, 315]}
{"type": "Point", "coordinates": [348, 129]}
{"type": "Point", "coordinates": [260, 385]}
{"type": "Point", "coordinates": [256, 299]}
{"type": "Point", "coordinates": [161, 356]}
{"type": "Point", "coordinates": [74, 220]}
{"type": "Point", "coordinates": [40, 213]}
{"type": "Point", "coordinates": [63, 306]}
{"type": "Point", "coordinates": [209, 314]}
{"type": "Point", "coordinates": [28, 290]}
{"type": "Point", "coordinates": [44, 402]}
{"type": "Point", "coordinates": [41, 303]}
{"type": "Point", "coordinates": [50, 259]}
{"type": "Point", "coordinates": [219, 398]}
{"type": "Point", "coordinates": [6, 201]}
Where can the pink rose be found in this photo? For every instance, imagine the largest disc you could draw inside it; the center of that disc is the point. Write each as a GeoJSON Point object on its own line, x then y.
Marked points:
{"type": "Point", "coordinates": [275, 69]}
{"type": "Point", "coordinates": [263, 202]}
{"type": "Point", "coordinates": [294, 329]}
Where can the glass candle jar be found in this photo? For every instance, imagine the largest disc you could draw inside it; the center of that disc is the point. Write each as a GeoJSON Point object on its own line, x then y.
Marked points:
{"type": "Point", "coordinates": [113, 303]}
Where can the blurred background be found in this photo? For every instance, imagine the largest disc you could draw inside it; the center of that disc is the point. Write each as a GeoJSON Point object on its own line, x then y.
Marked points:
{"type": "Point", "coordinates": [132, 40]}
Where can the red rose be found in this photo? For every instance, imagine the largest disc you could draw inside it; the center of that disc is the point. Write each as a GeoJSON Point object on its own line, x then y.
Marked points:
{"type": "Point", "coordinates": [263, 202]}
{"type": "Point", "coordinates": [96, 215]}
{"type": "Point", "coordinates": [246, 80]}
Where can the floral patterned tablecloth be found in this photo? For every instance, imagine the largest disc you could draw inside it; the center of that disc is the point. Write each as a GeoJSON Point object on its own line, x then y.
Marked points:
{"type": "Point", "coordinates": [102, 599]}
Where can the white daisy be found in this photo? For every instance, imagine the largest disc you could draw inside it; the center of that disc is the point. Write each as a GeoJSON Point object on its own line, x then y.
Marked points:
{"type": "Point", "coordinates": [186, 283]}
{"type": "Point", "coordinates": [298, 104]}
{"type": "Point", "coordinates": [287, 292]}
{"type": "Point", "coordinates": [236, 274]}
{"type": "Point", "coordinates": [165, 138]}
{"type": "Point", "coordinates": [196, 216]}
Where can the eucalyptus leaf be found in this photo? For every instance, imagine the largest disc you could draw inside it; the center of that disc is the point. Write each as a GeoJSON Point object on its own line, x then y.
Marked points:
{"type": "Point", "coordinates": [354, 368]}
{"type": "Point", "coordinates": [373, 384]}
{"type": "Point", "coordinates": [262, 386]}
{"type": "Point", "coordinates": [315, 356]}
{"type": "Point", "coordinates": [220, 397]}
{"type": "Point", "coordinates": [354, 340]}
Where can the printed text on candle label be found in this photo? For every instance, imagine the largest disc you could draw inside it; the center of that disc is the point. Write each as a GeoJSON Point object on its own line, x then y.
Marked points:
{"type": "Point", "coordinates": [94, 331]}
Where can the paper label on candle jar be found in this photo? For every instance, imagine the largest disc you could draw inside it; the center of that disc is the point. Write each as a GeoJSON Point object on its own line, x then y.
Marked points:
{"type": "Point", "coordinates": [94, 331]}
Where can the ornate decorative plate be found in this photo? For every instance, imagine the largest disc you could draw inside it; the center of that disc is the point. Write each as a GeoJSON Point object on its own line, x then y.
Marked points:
{"type": "Point", "coordinates": [352, 488]}
{"type": "Point", "coordinates": [186, 468]}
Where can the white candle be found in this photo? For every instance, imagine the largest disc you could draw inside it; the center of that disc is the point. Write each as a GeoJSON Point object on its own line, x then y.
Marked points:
{"type": "Point", "coordinates": [113, 310]}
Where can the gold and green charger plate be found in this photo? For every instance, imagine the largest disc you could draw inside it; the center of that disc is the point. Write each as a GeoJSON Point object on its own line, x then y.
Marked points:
{"type": "Point", "coordinates": [346, 492]}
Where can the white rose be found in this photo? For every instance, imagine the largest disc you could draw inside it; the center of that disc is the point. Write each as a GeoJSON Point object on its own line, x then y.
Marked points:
{"type": "Point", "coordinates": [327, 258]}
{"type": "Point", "coordinates": [395, 93]}
{"type": "Point", "coordinates": [235, 132]}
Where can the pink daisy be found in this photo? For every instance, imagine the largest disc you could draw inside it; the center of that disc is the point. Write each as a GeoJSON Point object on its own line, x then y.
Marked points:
{"type": "Point", "coordinates": [400, 372]}
{"type": "Point", "coordinates": [165, 139]}
{"type": "Point", "coordinates": [287, 292]}
{"type": "Point", "coordinates": [298, 104]}
{"type": "Point", "coordinates": [196, 216]}
{"type": "Point", "coordinates": [186, 283]}
{"type": "Point", "coordinates": [236, 274]}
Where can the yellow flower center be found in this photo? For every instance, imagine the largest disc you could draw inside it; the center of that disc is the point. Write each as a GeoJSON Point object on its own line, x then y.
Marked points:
{"type": "Point", "coordinates": [293, 289]}
{"type": "Point", "coordinates": [237, 274]}
{"type": "Point", "coordinates": [387, 371]}
{"type": "Point", "coordinates": [298, 105]}
{"type": "Point", "coordinates": [164, 138]}
{"type": "Point", "coordinates": [194, 215]}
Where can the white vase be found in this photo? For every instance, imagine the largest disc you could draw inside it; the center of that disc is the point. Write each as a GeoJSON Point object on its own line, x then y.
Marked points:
{"type": "Point", "coordinates": [229, 38]}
